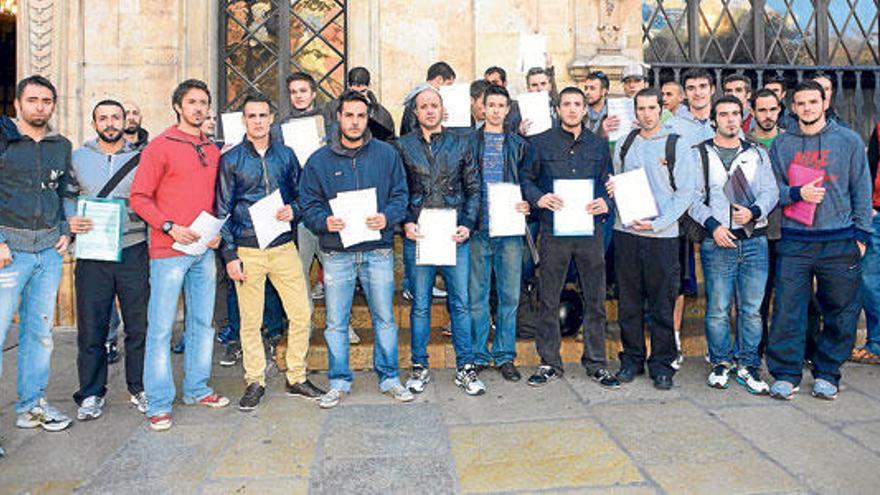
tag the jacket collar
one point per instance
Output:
(336, 143)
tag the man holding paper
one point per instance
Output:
(565, 154)
(497, 242)
(257, 188)
(444, 181)
(737, 191)
(356, 172)
(103, 168)
(826, 227)
(646, 248)
(174, 185)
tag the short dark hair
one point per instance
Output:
(301, 76)
(776, 80)
(254, 97)
(726, 99)
(359, 76)
(808, 85)
(494, 90)
(697, 73)
(440, 69)
(821, 75)
(598, 75)
(764, 93)
(646, 93)
(478, 87)
(183, 88)
(107, 103)
(738, 77)
(502, 74)
(534, 71)
(352, 95)
(35, 80)
(571, 90)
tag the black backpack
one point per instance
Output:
(688, 228)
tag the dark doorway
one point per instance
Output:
(7, 62)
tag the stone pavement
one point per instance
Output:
(570, 436)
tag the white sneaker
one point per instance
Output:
(45, 416)
(353, 337)
(676, 363)
(330, 399)
(438, 292)
(318, 290)
(140, 401)
(467, 378)
(400, 393)
(91, 408)
(418, 379)
(750, 378)
(719, 377)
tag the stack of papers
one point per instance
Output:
(504, 220)
(573, 219)
(354, 207)
(634, 197)
(802, 211)
(436, 247)
(266, 226)
(535, 107)
(457, 105)
(208, 227)
(104, 241)
(622, 108)
(302, 136)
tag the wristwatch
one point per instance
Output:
(166, 227)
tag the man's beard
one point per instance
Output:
(37, 122)
(767, 128)
(804, 122)
(132, 129)
(110, 138)
(351, 137)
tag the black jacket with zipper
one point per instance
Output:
(243, 178)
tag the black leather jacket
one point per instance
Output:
(442, 173)
(518, 155)
(243, 178)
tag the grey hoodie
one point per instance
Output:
(90, 170)
(845, 212)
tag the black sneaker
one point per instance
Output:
(509, 372)
(231, 355)
(627, 374)
(305, 390)
(251, 398)
(605, 378)
(112, 353)
(663, 382)
(543, 376)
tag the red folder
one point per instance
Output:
(802, 211)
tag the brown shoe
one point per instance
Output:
(864, 356)
(280, 350)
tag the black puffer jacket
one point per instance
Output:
(442, 173)
(34, 177)
(243, 178)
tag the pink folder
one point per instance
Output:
(802, 211)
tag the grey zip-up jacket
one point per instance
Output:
(756, 167)
(91, 169)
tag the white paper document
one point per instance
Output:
(104, 241)
(622, 108)
(266, 226)
(436, 245)
(532, 51)
(633, 197)
(208, 227)
(457, 105)
(301, 135)
(504, 220)
(535, 107)
(353, 207)
(233, 127)
(573, 218)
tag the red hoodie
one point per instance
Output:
(173, 183)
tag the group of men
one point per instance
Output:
(722, 173)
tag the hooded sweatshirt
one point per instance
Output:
(91, 169)
(845, 212)
(174, 182)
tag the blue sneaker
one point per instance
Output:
(178, 348)
(226, 335)
(783, 390)
(823, 389)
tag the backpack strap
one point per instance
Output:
(119, 175)
(627, 143)
(671, 142)
(704, 160)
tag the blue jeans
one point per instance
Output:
(456, 278)
(836, 267)
(871, 289)
(196, 276)
(734, 275)
(273, 312)
(375, 269)
(34, 278)
(503, 255)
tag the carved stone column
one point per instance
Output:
(608, 36)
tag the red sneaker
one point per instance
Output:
(160, 422)
(214, 400)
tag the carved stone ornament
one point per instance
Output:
(40, 33)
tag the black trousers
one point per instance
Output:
(648, 269)
(98, 283)
(589, 257)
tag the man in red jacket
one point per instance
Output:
(173, 184)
